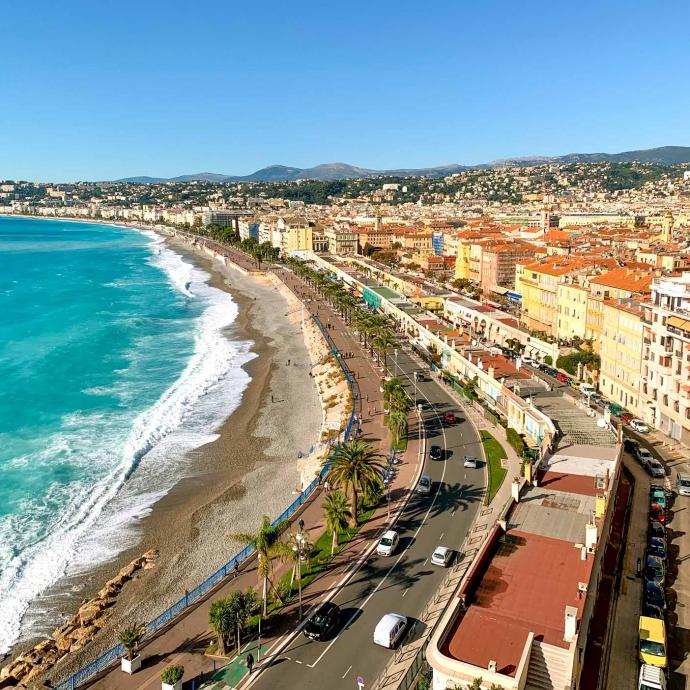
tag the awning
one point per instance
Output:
(677, 322)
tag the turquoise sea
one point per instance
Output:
(115, 359)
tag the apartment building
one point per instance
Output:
(499, 261)
(292, 233)
(571, 298)
(342, 239)
(621, 353)
(666, 358)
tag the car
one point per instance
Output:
(626, 417)
(528, 360)
(654, 570)
(560, 376)
(389, 630)
(436, 453)
(658, 495)
(449, 417)
(654, 594)
(322, 621)
(639, 426)
(657, 514)
(424, 484)
(657, 547)
(643, 456)
(656, 531)
(442, 555)
(587, 388)
(471, 462)
(651, 611)
(655, 468)
(388, 543)
(630, 445)
(596, 399)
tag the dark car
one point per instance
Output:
(657, 547)
(651, 611)
(323, 621)
(654, 594)
(656, 529)
(549, 370)
(654, 570)
(436, 453)
(630, 445)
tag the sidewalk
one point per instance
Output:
(186, 639)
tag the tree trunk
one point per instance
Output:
(353, 519)
(333, 543)
(265, 595)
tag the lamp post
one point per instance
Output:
(298, 548)
(414, 374)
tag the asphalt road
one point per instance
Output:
(402, 583)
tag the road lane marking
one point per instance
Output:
(425, 562)
(297, 661)
(406, 591)
(346, 672)
(441, 537)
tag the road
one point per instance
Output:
(402, 583)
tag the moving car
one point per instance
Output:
(436, 453)
(449, 417)
(655, 468)
(442, 556)
(388, 543)
(683, 484)
(389, 630)
(549, 370)
(639, 426)
(424, 484)
(471, 462)
(323, 621)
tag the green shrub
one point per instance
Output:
(548, 360)
(172, 674)
(515, 440)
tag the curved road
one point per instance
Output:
(402, 583)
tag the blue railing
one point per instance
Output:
(105, 660)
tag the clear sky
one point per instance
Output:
(105, 89)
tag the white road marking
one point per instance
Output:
(346, 672)
(441, 537)
(406, 591)
(297, 661)
(425, 562)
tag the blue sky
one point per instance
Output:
(100, 90)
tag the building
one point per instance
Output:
(571, 298)
(666, 358)
(292, 233)
(342, 239)
(498, 262)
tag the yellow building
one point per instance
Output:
(621, 353)
(462, 261)
(571, 298)
(538, 284)
(292, 234)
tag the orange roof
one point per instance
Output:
(626, 278)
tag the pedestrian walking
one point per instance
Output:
(250, 661)
(369, 410)
(367, 397)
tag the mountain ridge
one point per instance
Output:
(665, 155)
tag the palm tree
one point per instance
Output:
(397, 423)
(383, 342)
(268, 546)
(221, 617)
(355, 465)
(131, 636)
(337, 514)
(241, 606)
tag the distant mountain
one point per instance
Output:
(666, 155)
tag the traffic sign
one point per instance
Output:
(360, 682)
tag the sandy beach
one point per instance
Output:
(251, 470)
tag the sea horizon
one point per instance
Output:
(115, 363)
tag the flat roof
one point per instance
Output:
(525, 588)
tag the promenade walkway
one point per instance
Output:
(186, 639)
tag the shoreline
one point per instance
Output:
(249, 470)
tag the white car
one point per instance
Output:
(471, 462)
(424, 485)
(389, 630)
(639, 426)
(442, 556)
(388, 543)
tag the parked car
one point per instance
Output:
(651, 611)
(657, 547)
(658, 495)
(471, 462)
(654, 570)
(436, 453)
(424, 484)
(560, 376)
(528, 360)
(323, 621)
(654, 594)
(596, 399)
(549, 370)
(626, 417)
(639, 426)
(683, 484)
(615, 409)
(449, 417)
(442, 555)
(388, 543)
(657, 514)
(655, 468)
(630, 445)
(643, 455)
(656, 531)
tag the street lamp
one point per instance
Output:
(298, 548)
(414, 374)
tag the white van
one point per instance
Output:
(683, 484)
(389, 630)
(587, 388)
(651, 678)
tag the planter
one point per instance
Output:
(131, 665)
(177, 686)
